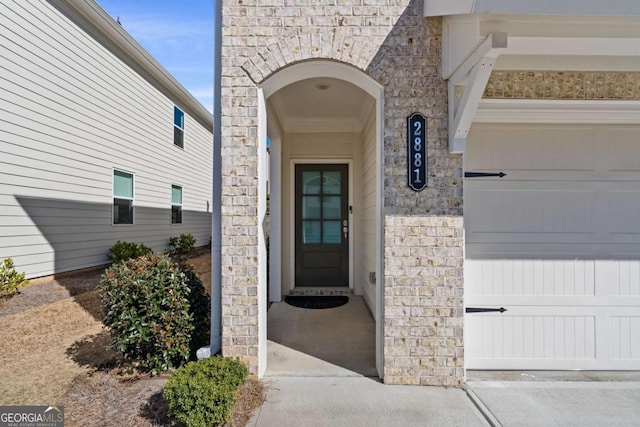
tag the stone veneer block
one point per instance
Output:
(566, 85)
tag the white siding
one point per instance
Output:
(71, 112)
(366, 251)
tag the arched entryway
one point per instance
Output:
(323, 120)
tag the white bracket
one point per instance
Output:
(475, 70)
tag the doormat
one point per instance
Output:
(316, 302)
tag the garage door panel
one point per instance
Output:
(532, 148)
(624, 151)
(531, 277)
(500, 276)
(619, 277)
(532, 336)
(557, 243)
(624, 332)
(526, 210)
(622, 210)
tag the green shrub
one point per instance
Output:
(182, 245)
(10, 279)
(202, 393)
(200, 307)
(156, 310)
(122, 251)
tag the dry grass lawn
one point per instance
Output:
(55, 352)
(34, 365)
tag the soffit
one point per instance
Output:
(321, 105)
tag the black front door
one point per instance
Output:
(322, 225)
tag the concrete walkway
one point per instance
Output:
(329, 342)
(360, 401)
(321, 372)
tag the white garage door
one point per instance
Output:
(557, 243)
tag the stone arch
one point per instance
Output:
(320, 68)
(336, 45)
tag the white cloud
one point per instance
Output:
(155, 29)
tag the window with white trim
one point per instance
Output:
(178, 127)
(176, 204)
(122, 197)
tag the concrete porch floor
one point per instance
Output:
(333, 342)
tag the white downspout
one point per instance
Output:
(216, 200)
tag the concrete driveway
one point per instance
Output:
(558, 403)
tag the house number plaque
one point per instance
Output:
(417, 151)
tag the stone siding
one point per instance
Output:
(390, 41)
(566, 85)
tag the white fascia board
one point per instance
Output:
(447, 7)
(580, 46)
(567, 63)
(529, 7)
(557, 111)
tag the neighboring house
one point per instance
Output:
(98, 142)
(547, 92)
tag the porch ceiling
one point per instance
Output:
(321, 105)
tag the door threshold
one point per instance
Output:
(322, 291)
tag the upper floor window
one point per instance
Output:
(122, 197)
(176, 204)
(178, 127)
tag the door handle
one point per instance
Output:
(345, 228)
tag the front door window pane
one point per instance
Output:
(331, 182)
(311, 207)
(331, 232)
(311, 232)
(311, 182)
(331, 207)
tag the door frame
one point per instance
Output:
(292, 212)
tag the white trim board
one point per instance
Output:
(557, 111)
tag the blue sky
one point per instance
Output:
(179, 35)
